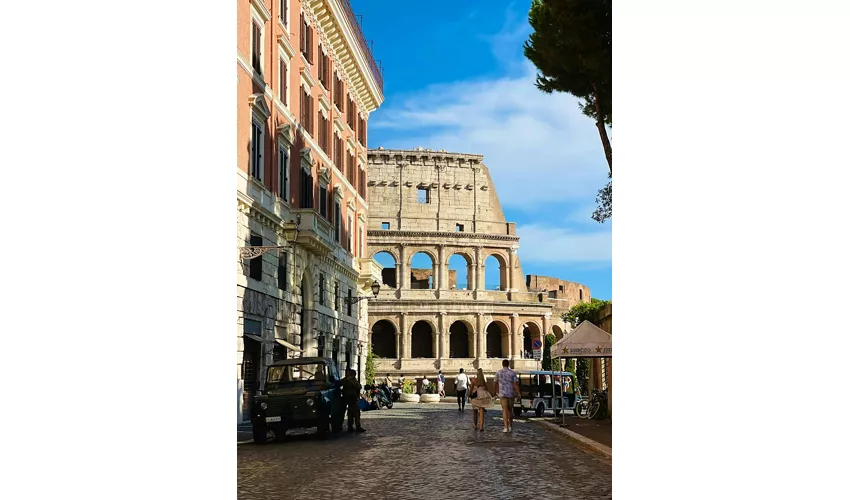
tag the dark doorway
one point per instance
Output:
(459, 340)
(494, 341)
(383, 339)
(421, 340)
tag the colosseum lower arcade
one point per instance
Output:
(442, 205)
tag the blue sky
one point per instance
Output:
(455, 78)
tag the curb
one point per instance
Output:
(587, 443)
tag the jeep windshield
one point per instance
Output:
(301, 375)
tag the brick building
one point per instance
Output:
(443, 204)
(307, 84)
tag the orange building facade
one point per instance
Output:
(307, 84)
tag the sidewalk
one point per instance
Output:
(595, 435)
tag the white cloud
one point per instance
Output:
(540, 149)
(548, 245)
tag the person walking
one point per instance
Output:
(481, 401)
(441, 384)
(351, 394)
(461, 384)
(507, 386)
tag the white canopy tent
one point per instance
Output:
(585, 341)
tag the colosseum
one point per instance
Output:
(441, 205)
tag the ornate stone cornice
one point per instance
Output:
(441, 234)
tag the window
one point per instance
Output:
(306, 189)
(337, 221)
(337, 92)
(459, 228)
(324, 133)
(350, 235)
(580, 294)
(352, 112)
(338, 152)
(361, 131)
(257, 133)
(324, 68)
(306, 110)
(385, 226)
(350, 171)
(561, 288)
(321, 289)
(348, 302)
(256, 47)
(306, 39)
(284, 12)
(283, 174)
(255, 271)
(336, 296)
(282, 278)
(424, 196)
(323, 203)
(283, 85)
(362, 183)
(329, 209)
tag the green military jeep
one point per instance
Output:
(298, 393)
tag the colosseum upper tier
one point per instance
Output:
(444, 204)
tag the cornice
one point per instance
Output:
(440, 234)
(336, 35)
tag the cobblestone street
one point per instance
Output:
(424, 451)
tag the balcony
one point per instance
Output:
(314, 232)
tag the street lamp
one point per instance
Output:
(290, 234)
(376, 287)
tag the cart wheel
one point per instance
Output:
(538, 412)
(593, 410)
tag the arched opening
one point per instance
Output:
(460, 272)
(459, 340)
(496, 333)
(495, 273)
(421, 340)
(388, 277)
(383, 339)
(530, 332)
(558, 331)
(423, 273)
(304, 313)
(580, 294)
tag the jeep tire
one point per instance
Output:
(260, 434)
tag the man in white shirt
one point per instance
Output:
(461, 385)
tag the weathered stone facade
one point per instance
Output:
(444, 204)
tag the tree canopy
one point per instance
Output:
(571, 48)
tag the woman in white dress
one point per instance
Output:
(481, 401)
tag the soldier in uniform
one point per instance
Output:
(351, 393)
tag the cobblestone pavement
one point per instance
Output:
(423, 451)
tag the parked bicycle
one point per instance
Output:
(594, 407)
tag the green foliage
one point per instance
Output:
(430, 388)
(548, 341)
(370, 365)
(571, 48)
(584, 311)
(409, 387)
(577, 314)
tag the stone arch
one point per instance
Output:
(390, 249)
(422, 339)
(461, 339)
(418, 279)
(502, 262)
(383, 338)
(463, 281)
(558, 332)
(426, 250)
(529, 330)
(392, 321)
(498, 338)
(388, 273)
